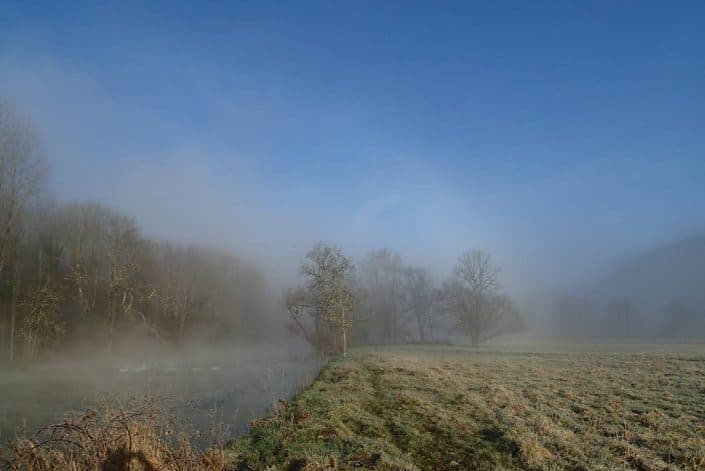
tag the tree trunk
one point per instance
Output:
(4, 239)
(111, 323)
(345, 338)
(430, 325)
(422, 328)
(28, 338)
(13, 315)
(345, 344)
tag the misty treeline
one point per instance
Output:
(386, 301)
(625, 316)
(81, 273)
(657, 293)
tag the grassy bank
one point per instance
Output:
(455, 408)
(577, 407)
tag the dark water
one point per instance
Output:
(230, 389)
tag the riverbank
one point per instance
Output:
(447, 408)
(578, 407)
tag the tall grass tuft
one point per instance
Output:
(137, 436)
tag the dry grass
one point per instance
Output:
(435, 408)
(454, 408)
(137, 436)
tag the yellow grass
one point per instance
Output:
(632, 407)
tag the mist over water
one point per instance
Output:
(223, 388)
(178, 177)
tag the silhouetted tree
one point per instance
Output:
(420, 296)
(22, 170)
(472, 296)
(383, 279)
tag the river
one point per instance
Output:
(230, 388)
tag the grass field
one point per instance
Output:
(452, 408)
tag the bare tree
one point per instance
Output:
(40, 302)
(506, 320)
(22, 169)
(83, 233)
(420, 294)
(69, 271)
(123, 246)
(177, 283)
(383, 277)
(327, 299)
(471, 295)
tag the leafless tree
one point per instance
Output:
(180, 269)
(327, 299)
(123, 250)
(420, 295)
(507, 318)
(22, 169)
(82, 231)
(472, 295)
(39, 302)
(383, 278)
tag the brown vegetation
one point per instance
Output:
(133, 437)
(457, 409)
(80, 270)
(441, 408)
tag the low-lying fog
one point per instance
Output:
(164, 175)
(208, 388)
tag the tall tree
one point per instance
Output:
(420, 295)
(82, 231)
(123, 250)
(472, 296)
(383, 277)
(328, 298)
(22, 169)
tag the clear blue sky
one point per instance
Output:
(532, 128)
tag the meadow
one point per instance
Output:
(557, 406)
(562, 406)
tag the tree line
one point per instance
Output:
(386, 301)
(81, 272)
(625, 316)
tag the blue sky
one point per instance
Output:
(556, 134)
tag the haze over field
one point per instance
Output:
(480, 227)
(560, 138)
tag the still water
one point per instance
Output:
(231, 389)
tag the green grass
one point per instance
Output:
(453, 408)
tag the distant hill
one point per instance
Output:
(660, 292)
(665, 285)
(674, 270)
